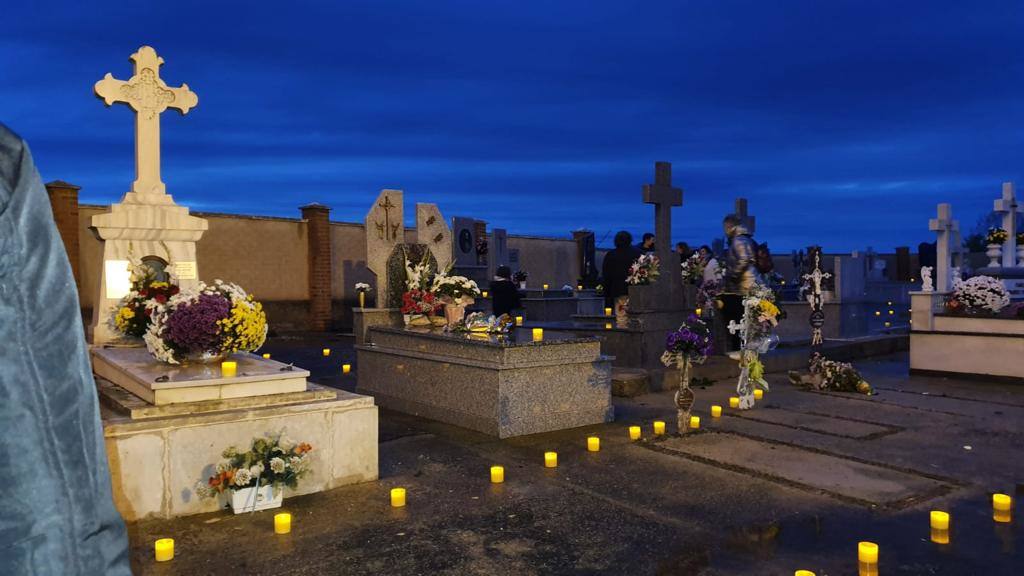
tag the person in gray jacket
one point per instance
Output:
(740, 271)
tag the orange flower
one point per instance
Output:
(303, 448)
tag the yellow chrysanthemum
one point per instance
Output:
(769, 308)
(124, 316)
(245, 327)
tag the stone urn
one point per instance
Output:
(995, 254)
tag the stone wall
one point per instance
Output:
(548, 260)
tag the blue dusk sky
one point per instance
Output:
(843, 123)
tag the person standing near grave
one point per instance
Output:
(59, 515)
(740, 271)
(615, 270)
(710, 265)
(646, 245)
(683, 249)
(505, 296)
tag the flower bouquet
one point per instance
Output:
(693, 269)
(828, 374)
(996, 236)
(256, 478)
(690, 344)
(519, 277)
(978, 295)
(456, 292)
(644, 271)
(757, 336)
(362, 288)
(419, 303)
(205, 324)
(131, 317)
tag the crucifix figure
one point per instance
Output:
(945, 227)
(817, 317)
(1007, 206)
(149, 96)
(741, 210)
(664, 196)
(387, 228)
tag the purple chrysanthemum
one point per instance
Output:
(193, 327)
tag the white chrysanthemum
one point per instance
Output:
(223, 467)
(242, 477)
(277, 465)
(256, 469)
(295, 461)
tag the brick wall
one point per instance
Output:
(64, 202)
(318, 223)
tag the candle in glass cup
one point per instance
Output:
(497, 474)
(867, 553)
(716, 411)
(939, 520)
(634, 432)
(803, 573)
(327, 351)
(163, 549)
(695, 422)
(1002, 505)
(758, 394)
(734, 402)
(607, 311)
(266, 355)
(594, 444)
(545, 286)
(659, 427)
(282, 523)
(608, 326)
(519, 320)
(551, 459)
(484, 293)
(398, 497)
(579, 287)
(538, 334)
(228, 368)
(346, 368)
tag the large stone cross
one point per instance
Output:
(664, 196)
(1007, 205)
(741, 210)
(149, 96)
(946, 228)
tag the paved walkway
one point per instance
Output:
(792, 484)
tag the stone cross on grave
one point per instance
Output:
(149, 96)
(1007, 206)
(664, 196)
(945, 227)
(748, 221)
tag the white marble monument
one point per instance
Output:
(945, 227)
(146, 224)
(1007, 206)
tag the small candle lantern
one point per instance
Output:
(659, 427)
(698, 312)
(346, 368)
(484, 293)
(519, 320)
(608, 326)
(803, 573)
(716, 411)
(579, 287)
(1002, 506)
(164, 549)
(607, 311)
(734, 402)
(327, 351)
(398, 497)
(695, 422)
(551, 459)
(634, 432)
(538, 334)
(266, 355)
(594, 444)
(867, 553)
(497, 474)
(282, 523)
(939, 520)
(758, 394)
(545, 286)
(228, 368)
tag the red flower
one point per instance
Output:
(160, 298)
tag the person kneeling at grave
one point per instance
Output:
(505, 297)
(740, 272)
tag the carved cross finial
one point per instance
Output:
(149, 96)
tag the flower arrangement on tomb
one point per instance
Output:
(980, 294)
(757, 336)
(273, 460)
(825, 374)
(458, 290)
(709, 290)
(132, 315)
(207, 321)
(690, 344)
(520, 276)
(996, 236)
(362, 289)
(693, 269)
(420, 302)
(644, 271)
(480, 323)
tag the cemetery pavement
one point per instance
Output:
(793, 484)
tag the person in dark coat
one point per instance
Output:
(58, 514)
(615, 270)
(646, 245)
(740, 272)
(505, 297)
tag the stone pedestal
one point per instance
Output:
(134, 230)
(502, 387)
(364, 318)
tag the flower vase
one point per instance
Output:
(1020, 255)
(362, 299)
(453, 314)
(995, 254)
(522, 285)
(252, 498)
(684, 397)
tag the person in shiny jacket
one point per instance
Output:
(740, 271)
